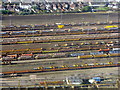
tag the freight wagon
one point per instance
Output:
(25, 57)
(52, 83)
(11, 27)
(23, 27)
(40, 56)
(85, 56)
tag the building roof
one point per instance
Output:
(30, 1)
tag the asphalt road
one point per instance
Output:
(61, 75)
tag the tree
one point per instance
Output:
(86, 9)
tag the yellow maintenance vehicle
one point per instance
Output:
(113, 26)
(59, 25)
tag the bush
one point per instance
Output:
(86, 9)
(6, 12)
(103, 8)
(24, 13)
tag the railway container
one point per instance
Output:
(31, 32)
(57, 45)
(7, 58)
(85, 56)
(13, 56)
(46, 31)
(39, 56)
(100, 50)
(59, 31)
(6, 62)
(96, 53)
(25, 57)
(23, 42)
(101, 29)
(22, 27)
(110, 62)
(48, 34)
(11, 27)
(76, 54)
(56, 55)
(91, 64)
(36, 49)
(114, 55)
(66, 44)
(66, 50)
(73, 39)
(57, 40)
(116, 49)
(74, 30)
(86, 30)
(39, 26)
(17, 33)
(75, 65)
(100, 56)
(19, 50)
(38, 68)
(114, 28)
(50, 51)
(41, 41)
(85, 64)
(3, 33)
(103, 23)
(93, 23)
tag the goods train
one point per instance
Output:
(52, 26)
(66, 47)
(59, 40)
(115, 52)
(73, 67)
(52, 32)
